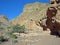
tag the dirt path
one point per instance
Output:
(40, 40)
(35, 40)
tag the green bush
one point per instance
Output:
(16, 28)
(13, 36)
(0, 23)
(10, 32)
(1, 38)
(19, 29)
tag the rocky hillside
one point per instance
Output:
(4, 24)
(31, 14)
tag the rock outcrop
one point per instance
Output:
(51, 20)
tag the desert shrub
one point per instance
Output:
(19, 29)
(1, 28)
(2, 39)
(37, 9)
(16, 28)
(0, 23)
(10, 32)
(13, 36)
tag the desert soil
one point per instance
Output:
(37, 39)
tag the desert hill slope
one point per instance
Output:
(31, 14)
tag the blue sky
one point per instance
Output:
(13, 8)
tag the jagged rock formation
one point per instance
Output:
(4, 24)
(52, 22)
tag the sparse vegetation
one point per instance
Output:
(13, 36)
(1, 27)
(10, 34)
(2, 39)
(37, 9)
(0, 23)
(18, 28)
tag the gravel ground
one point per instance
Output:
(34, 40)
